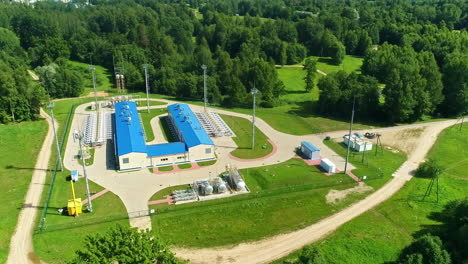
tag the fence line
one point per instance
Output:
(49, 194)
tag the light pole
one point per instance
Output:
(93, 72)
(147, 86)
(205, 100)
(51, 107)
(349, 135)
(254, 93)
(83, 163)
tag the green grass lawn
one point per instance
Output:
(293, 79)
(206, 163)
(242, 128)
(350, 64)
(104, 79)
(19, 147)
(63, 235)
(165, 168)
(379, 235)
(162, 194)
(284, 197)
(151, 103)
(146, 119)
(378, 169)
(185, 166)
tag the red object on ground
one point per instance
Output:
(85, 201)
(168, 200)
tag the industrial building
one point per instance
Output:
(133, 153)
(328, 166)
(309, 151)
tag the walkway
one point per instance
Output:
(21, 247)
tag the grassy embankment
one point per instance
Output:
(62, 235)
(19, 147)
(103, 77)
(284, 197)
(242, 128)
(379, 235)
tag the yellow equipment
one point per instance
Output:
(74, 205)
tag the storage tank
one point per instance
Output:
(240, 185)
(208, 189)
(222, 188)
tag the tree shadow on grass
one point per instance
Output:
(12, 167)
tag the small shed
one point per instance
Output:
(310, 151)
(327, 165)
(363, 146)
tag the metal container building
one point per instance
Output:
(310, 151)
(327, 165)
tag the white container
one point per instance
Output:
(327, 165)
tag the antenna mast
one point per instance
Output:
(254, 93)
(205, 100)
(51, 107)
(83, 163)
(147, 86)
(349, 136)
(93, 72)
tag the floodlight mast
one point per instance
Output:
(93, 72)
(254, 93)
(83, 163)
(51, 107)
(205, 99)
(349, 135)
(147, 86)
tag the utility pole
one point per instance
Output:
(349, 136)
(205, 100)
(51, 107)
(93, 72)
(254, 93)
(83, 163)
(147, 86)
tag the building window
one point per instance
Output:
(164, 159)
(208, 151)
(180, 157)
(125, 160)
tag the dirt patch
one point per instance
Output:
(99, 94)
(335, 196)
(404, 140)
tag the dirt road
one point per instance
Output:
(267, 250)
(21, 247)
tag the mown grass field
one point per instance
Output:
(379, 235)
(350, 64)
(378, 168)
(242, 128)
(284, 197)
(206, 163)
(294, 84)
(19, 148)
(63, 235)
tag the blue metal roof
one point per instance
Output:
(192, 131)
(309, 146)
(128, 130)
(166, 149)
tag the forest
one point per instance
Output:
(415, 52)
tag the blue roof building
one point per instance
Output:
(166, 149)
(309, 151)
(189, 128)
(128, 130)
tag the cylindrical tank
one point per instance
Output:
(222, 188)
(208, 188)
(240, 186)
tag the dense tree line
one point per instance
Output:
(241, 40)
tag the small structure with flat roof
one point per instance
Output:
(309, 151)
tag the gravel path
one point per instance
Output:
(21, 247)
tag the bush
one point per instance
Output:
(428, 169)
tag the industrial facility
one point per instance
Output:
(133, 153)
(357, 143)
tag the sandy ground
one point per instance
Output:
(21, 247)
(335, 196)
